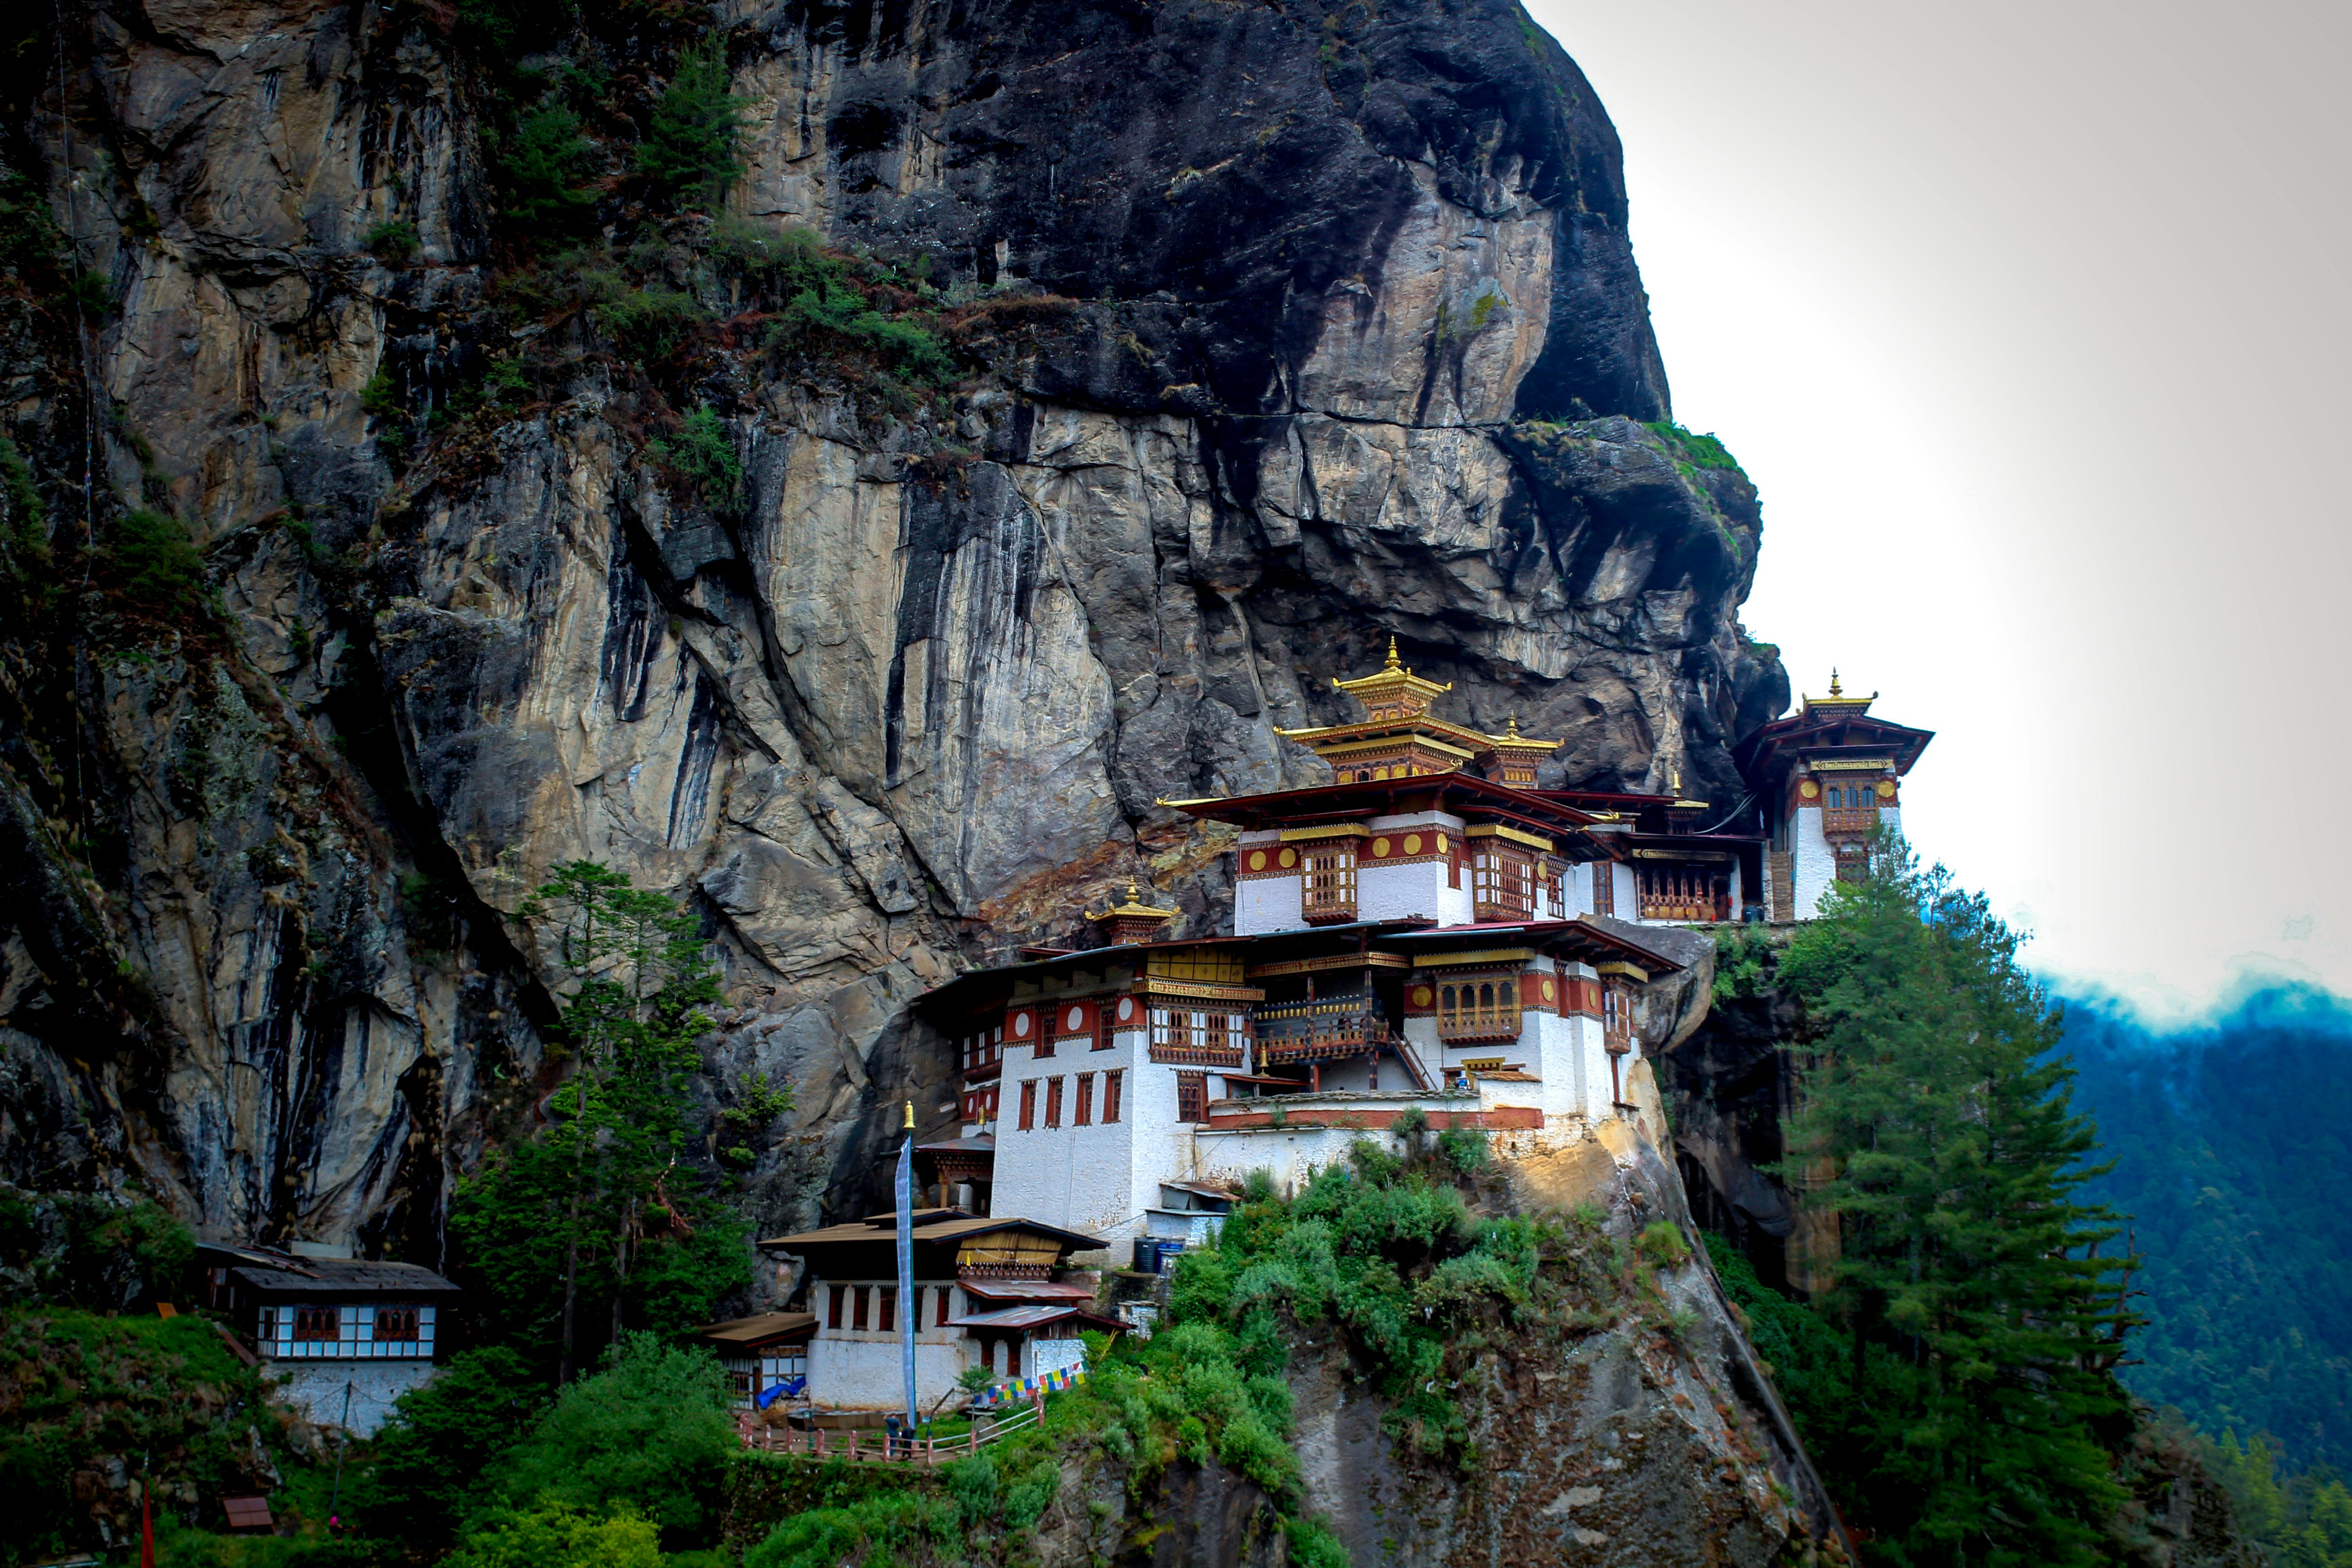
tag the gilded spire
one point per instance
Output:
(1835, 689)
(1392, 663)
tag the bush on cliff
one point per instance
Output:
(430, 1469)
(689, 152)
(651, 1431)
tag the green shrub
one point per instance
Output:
(703, 454)
(830, 313)
(652, 1430)
(556, 1534)
(648, 325)
(689, 152)
(94, 293)
(1464, 1149)
(380, 397)
(149, 560)
(545, 167)
(392, 242)
(1662, 1243)
(24, 520)
(1691, 450)
(430, 1464)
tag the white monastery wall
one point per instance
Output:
(865, 1373)
(1816, 865)
(1628, 893)
(1262, 904)
(1072, 1176)
(1393, 893)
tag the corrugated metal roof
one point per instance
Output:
(758, 1328)
(882, 1232)
(1025, 1290)
(1014, 1318)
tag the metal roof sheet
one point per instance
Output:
(1014, 1318)
(760, 1327)
(1025, 1290)
(872, 1233)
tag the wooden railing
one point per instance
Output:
(1478, 1009)
(1287, 1031)
(878, 1447)
(1850, 819)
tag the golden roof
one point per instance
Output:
(1515, 742)
(1393, 682)
(1838, 699)
(1134, 908)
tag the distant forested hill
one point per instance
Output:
(2232, 1145)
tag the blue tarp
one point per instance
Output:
(790, 1388)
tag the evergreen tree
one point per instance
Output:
(597, 1218)
(1984, 1326)
(546, 166)
(690, 146)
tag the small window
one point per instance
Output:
(1086, 1100)
(886, 1308)
(316, 1323)
(947, 1297)
(857, 1307)
(1111, 1081)
(833, 1307)
(1052, 1102)
(1028, 1104)
(395, 1323)
(1191, 1097)
(1105, 1024)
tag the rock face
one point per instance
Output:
(1346, 342)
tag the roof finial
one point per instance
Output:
(1835, 689)
(1673, 778)
(1513, 728)
(1133, 893)
(1393, 652)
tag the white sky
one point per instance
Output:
(2031, 323)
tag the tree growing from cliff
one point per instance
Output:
(689, 151)
(598, 1212)
(1985, 1325)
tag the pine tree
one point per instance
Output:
(1984, 1324)
(690, 146)
(599, 1210)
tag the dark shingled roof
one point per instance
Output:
(345, 1277)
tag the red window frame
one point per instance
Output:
(858, 1307)
(1086, 1112)
(946, 1292)
(397, 1323)
(886, 1308)
(1111, 1084)
(1028, 1103)
(317, 1325)
(1053, 1101)
(832, 1305)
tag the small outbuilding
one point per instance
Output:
(342, 1337)
(765, 1355)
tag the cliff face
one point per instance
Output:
(1345, 340)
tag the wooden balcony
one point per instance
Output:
(1329, 1025)
(1850, 821)
(1465, 1025)
(1672, 907)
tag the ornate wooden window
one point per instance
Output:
(833, 1294)
(1052, 1102)
(1112, 1082)
(396, 1323)
(857, 1307)
(1195, 1036)
(1502, 882)
(1555, 891)
(1028, 1104)
(1478, 1007)
(1604, 888)
(1086, 1114)
(1191, 1097)
(886, 1308)
(1853, 862)
(1616, 1018)
(1330, 895)
(1683, 894)
(316, 1323)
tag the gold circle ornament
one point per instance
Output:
(1413, 843)
(1257, 859)
(1290, 857)
(1808, 789)
(1422, 996)
(1886, 789)
(1380, 849)
(1441, 844)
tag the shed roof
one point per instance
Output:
(345, 1277)
(883, 1230)
(1030, 1317)
(760, 1329)
(1025, 1290)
